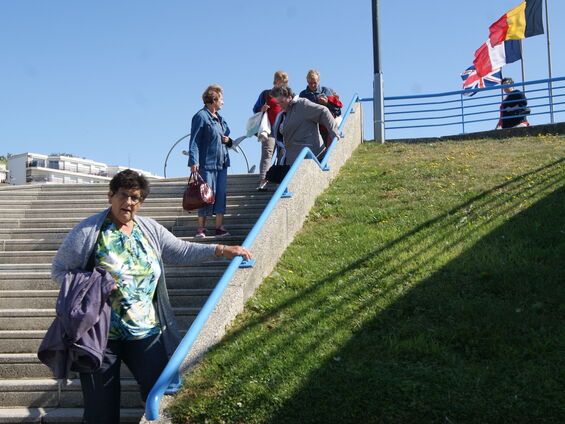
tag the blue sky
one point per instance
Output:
(118, 81)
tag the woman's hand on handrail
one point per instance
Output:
(231, 252)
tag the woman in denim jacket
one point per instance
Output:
(208, 155)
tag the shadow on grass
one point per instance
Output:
(478, 341)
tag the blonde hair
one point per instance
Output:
(312, 73)
(281, 76)
(211, 94)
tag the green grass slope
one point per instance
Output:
(427, 286)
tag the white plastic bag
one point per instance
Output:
(264, 129)
(259, 125)
(253, 124)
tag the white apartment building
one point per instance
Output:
(34, 168)
(3, 173)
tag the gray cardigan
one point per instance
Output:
(78, 246)
(300, 127)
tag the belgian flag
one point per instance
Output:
(525, 20)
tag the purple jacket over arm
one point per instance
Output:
(77, 338)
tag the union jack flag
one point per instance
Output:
(471, 80)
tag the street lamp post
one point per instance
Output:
(170, 150)
(237, 148)
(378, 99)
(240, 149)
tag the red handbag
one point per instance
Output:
(197, 194)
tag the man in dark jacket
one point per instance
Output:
(513, 109)
(324, 96)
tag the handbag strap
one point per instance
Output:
(195, 176)
(280, 146)
(279, 143)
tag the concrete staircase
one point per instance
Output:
(33, 222)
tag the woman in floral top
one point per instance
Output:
(135, 267)
(142, 328)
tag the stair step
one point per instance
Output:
(44, 392)
(59, 415)
(41, 319)
(101, 201)
(29, 392)
(40, 258)
(18, 341)
(19, 299)
(171, 209)
(18, 245)
(27, 365)
(235, 180)
(46, 299)
(26, 319)
(47, 234)
(167, 221)
(22, 365)
(41, 261)
(196, 278)
(177, 192)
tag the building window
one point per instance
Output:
(54, 164)
(34, 163)
(39, 179)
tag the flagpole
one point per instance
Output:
(549, 64)
(378, 99)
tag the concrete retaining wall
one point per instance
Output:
(531, 131)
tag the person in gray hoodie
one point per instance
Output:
(298, 123)
(142, 332)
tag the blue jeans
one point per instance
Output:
(146, 358)
(217, 180)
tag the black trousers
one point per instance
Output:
(145, 358)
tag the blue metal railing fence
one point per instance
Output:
(169, 380)
(456, 108)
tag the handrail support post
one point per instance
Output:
(175, 385)
(286, 194)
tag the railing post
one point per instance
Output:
(462, 114)
(550, 94)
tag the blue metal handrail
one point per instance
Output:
(449, 93)
(171, 372)
(439, 109)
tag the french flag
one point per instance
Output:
(489, 58)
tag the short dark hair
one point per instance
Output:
(129, 180)
(507, 81)
(282, 91)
